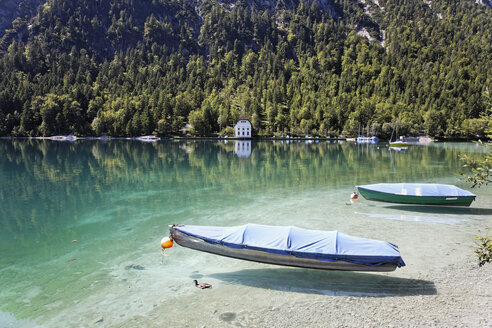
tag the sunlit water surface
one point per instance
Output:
(81, 222)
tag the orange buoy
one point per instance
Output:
(167, 242)
(354, 196)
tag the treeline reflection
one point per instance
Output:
(46, 183)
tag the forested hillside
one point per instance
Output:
(319, 67)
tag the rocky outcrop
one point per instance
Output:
(484, 2)
(11, 9)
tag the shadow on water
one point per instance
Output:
(442, 209)
(414, 218)
(334, 283)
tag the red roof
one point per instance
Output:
(243, 118)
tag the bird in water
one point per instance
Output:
(203, 285)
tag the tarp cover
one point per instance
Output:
(419, 189)
(321, 245)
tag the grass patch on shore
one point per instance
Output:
(483, 247)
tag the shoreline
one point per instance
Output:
(107, 138)
(463, 298)
(456, 295)
(72, 138)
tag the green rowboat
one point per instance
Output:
(417, 193)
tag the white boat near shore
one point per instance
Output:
(69, 137)
(417, 140)
(149, 138)
(367, 140)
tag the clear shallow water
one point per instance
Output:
(81, 222)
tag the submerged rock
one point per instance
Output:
(227, 316)
(134, 267)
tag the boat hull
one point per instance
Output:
(270, 258)
(367, 140)
(415, 200)
(398, 144)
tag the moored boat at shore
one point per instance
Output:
(149, 138)
(367, 140)
(417, 193)
(291, 246)
(69, 137)
(417, 140)
(399, 143)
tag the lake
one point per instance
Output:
(81, 222)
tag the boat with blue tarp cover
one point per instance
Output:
(291, 246)
(367, 140)
(417, 193)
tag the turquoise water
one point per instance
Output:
(81, 222)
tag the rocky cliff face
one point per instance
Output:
(120, 24)
(27, 9)
(485, 2)
(8, 11)
(12, 9)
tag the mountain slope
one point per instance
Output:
(126, 67)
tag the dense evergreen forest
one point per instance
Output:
(318, 67)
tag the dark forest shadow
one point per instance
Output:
(335, 283)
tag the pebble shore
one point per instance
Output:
(461, 297)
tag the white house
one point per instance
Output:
(242, 128)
